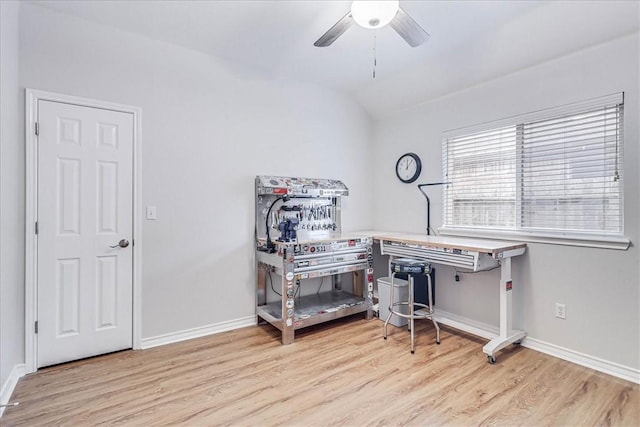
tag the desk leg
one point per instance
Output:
(507, 334)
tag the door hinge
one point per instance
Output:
(36, 227)
(36, 326)
(37, 129)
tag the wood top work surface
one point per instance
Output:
(337, 374)
(462, 243)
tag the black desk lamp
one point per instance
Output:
(429, 201)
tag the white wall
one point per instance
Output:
(208, 129)
(601, 288)
(11, 197)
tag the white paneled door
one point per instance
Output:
(85, 230)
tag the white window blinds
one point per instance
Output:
(558, 171)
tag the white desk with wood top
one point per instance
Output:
(471, 255)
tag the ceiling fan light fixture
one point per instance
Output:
(374, 14)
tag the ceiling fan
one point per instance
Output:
(373, 15)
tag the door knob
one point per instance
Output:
(122, 244)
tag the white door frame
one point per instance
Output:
(31, 210)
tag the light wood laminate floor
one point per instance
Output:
(341, 373)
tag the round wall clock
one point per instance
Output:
(408, 167)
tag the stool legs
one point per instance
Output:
(386, 322)
(411, 316)
(411, 311)
(431, 310)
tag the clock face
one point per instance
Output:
(408, 167)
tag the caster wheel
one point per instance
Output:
(438, 342)
(412, 351)
(491, 360)
(384, 338)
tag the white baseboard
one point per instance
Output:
(198, 332)
(16, 373)
(611, 368)
(487, 331)
(465, 324)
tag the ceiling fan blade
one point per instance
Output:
(336, 31)
(409, 29)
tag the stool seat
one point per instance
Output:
(411, 267)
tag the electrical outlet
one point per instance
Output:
(561, 311)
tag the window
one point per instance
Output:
(556, 172)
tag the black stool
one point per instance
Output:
(411, 267)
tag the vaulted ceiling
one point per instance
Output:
(471, 41)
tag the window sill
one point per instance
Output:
(601, 242)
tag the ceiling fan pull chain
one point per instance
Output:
(375, 61)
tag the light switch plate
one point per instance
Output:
(152, 212)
